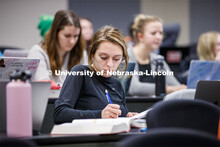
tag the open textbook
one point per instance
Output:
(101, 126)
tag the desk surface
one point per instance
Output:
(47, 140)
(134, 104)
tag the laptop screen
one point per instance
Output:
(10, 64)
(208, 91)
(202, 70)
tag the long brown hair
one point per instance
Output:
(51, 45)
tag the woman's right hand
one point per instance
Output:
(111, 111)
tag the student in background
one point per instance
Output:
(208, 46)
(87, 30)
(148, 35)
(62, 48)
(84, 95)
(208, 49)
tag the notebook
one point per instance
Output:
(208, 91)
(202, 70)
(40, 95)
(10, 64)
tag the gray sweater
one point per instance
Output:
(144, 88)
(44, 65)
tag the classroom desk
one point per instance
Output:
(134, 104)
(140, 103)
(110, 140)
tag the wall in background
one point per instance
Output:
(205, 16)
(171, 11)
(19, 20)
(118, 13)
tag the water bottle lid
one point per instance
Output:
(26, 75)
(22, 75)
(159, 63)
(15, 75)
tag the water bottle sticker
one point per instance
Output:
(12, 64)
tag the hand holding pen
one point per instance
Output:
(111, 110)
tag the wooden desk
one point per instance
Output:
(134, 104)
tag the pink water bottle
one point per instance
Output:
(19, 105)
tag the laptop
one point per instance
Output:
(208, 91)
(202, 70)
(10, 64)
(40, 95)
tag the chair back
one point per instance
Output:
(171, 137)
(192, 114)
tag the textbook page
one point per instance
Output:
(101, 126)
(141, 115)
(93, 126)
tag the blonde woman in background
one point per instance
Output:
(147, 32)
(208, 47)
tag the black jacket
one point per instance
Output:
(83, 97)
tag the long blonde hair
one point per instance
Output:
(206, 45)
(139, 22)
(51, 45)
(111, 34)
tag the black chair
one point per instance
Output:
(171, 137)
(192, 114)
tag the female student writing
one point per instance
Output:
(61, 49)
(148, 35)
(84, 95)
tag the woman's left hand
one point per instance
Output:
(130, 114)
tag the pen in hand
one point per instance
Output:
(108, 97)
(111, 110)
